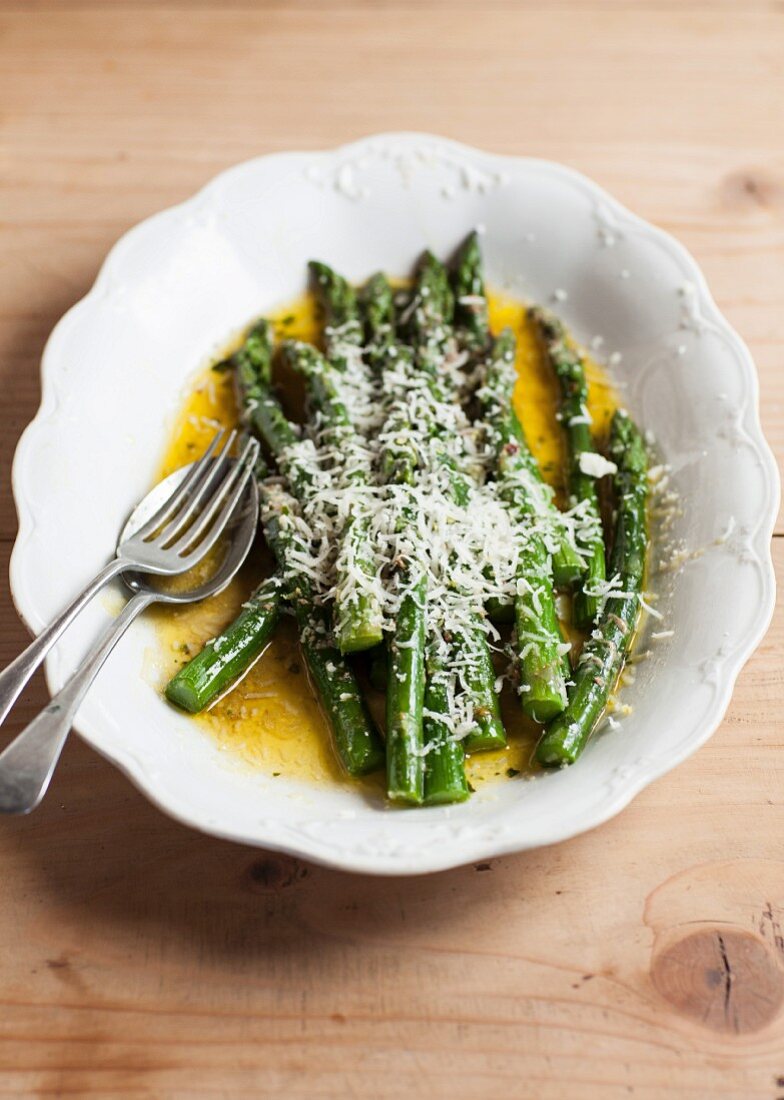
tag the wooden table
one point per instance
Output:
(642, 960)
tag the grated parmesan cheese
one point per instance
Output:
(596, 465)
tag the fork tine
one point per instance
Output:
(194, 476)
(212, 522)
(207, 485)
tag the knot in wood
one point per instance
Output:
(725, 979)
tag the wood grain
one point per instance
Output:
(644, 959)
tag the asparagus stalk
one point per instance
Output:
(405, 664)
(540, 650)
(225, 660)
(252, 366)
(405, 696)
(471, 312)
(343, 336)
(252, 361)
(432, 334)
(435, 306)
(569, 369)
(445, 779)
(357, 742)
(358, 615)
(261, 408)
(479, 682)
(604, 653)
(357, 605)
(377, 302)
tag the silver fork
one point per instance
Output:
(177, 536)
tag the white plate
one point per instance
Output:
(177, 285)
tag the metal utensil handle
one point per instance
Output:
(15, 676)
(27, 764)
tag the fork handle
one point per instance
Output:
(15, 676)
(27, 764)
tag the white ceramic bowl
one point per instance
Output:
(173, 289)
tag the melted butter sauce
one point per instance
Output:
(271, 720)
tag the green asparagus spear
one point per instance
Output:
(541, 653)
(431, 328)
(405, 664)
(359, 747)
(260, 407)
(343, 337)
(252, 361)
(435, 301)
(358, 615)
(357, 606)
(400, 458)
(445, 779)
(377, 302)
(479, 682)
(356, 739)
(405, 694)
(323, 387)
(540, 649)
(225, 659)
(603, 655)
(471, 313)
(569, 369)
